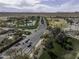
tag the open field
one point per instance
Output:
(60, 14)
(57, 22)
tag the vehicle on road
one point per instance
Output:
(29, 44)
(42, 21)
(1, 57)
(27, 40)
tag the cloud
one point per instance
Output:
(10, 2)
(18, 2)
(39, 5)
(70, 6)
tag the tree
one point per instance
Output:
(52, 55)
(22, 57)
(56, 31)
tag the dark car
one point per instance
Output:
(42, 21)
(27, 40)
(29, 45)
(1, 57)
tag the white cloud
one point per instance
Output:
(16, 2)
(19, 4)
(70, 6)
(36, 5)
(11, 2)
(32, 2)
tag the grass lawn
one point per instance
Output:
(58, 50)
(44, 55)
(61, 52)
(75, 43)
(73, 54)
(70, 56)
(61, 23)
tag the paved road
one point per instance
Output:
(34, 38)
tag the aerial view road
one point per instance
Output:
(39, 29)
(41, 37)
(32, 39)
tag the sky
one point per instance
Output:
(39, 5)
